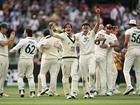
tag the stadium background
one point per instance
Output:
(36, 14)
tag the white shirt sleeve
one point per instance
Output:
(128, 32)
(18, 46)
(59, 36)
(1, 38)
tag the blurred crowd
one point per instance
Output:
(36, 14)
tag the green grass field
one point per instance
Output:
(14, 99)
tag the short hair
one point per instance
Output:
(67, 24)
(4, 25)
(29, 32)
(108, 26)
(86, 24)
(46, 32)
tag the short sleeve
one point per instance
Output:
(128, 32)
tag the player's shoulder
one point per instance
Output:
(129, 31)
(63, 34)
(101, 32)
(54, 39)
(77, 35)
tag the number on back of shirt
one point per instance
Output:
(135, 38)
(30, 49)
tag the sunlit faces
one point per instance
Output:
(68, 28)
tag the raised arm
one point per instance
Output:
(56, 35)
(96, 27)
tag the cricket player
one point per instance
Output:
(49, 62)
(87, 58)
(102, 44)
(132, 56)
(28, 48)
(110, 67)
(4, 61)
(97, 83)
(114, 32)
(69, 61)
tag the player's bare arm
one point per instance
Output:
(104, 46)
(11, 39)
(100, 38)
(96, 27)
(8, 41)
(126, 43)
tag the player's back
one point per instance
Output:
(134, 37)
(29, 48)
(50, 51)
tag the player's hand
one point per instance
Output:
(51, 25)
(98, 11)
(100, 38)
(12, 35)
(124, 51)
(104, 45)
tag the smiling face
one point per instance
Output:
(68, 28)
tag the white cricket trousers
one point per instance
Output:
(132, 57)
(87, 69)
(70, 69)
(4, 64)
(25, 68)
(101, 67)
(50, 66)
(111, 71)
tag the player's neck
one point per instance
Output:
(85, 33)
(69, 34)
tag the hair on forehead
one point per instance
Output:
(67, 24)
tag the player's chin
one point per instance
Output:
(68, 32)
